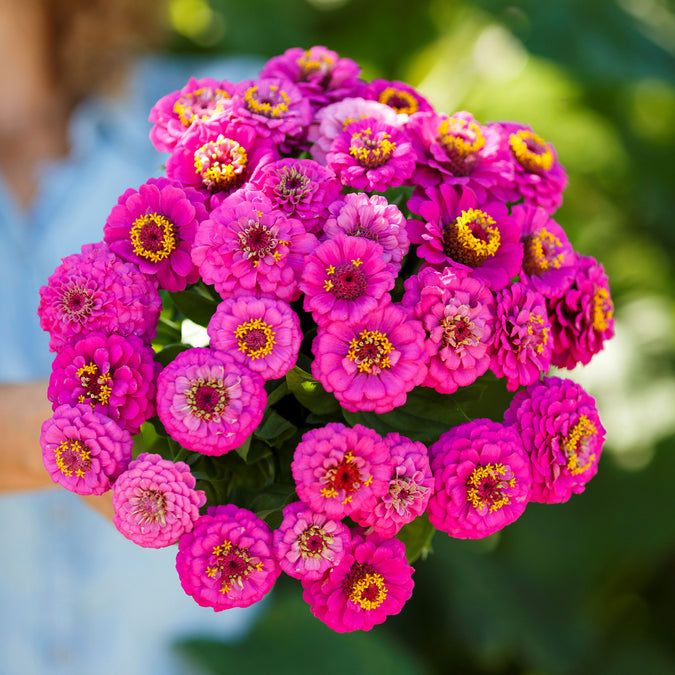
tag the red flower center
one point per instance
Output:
(346, 282)
(207, 398)
(231, 565)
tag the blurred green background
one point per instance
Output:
(585, 587)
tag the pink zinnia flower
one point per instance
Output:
(344, 279)
(583, 317)
(154, 227)
(115, 375)
(261, 333)
(410, 486)
(483, 479)
(560, 428)
(84, 451)
(371, 217)
(401, 97)
(373, 581)
(458, 314)
(155, 501)
(247, 246)
(97, 291)
(338, 470)
(373, 364)
(217, 157)
(458, 231)
(208, 402)
(458, 151)
(549, 262)
(372, 156)
(538, 177)
(198, 101)
(307, 544)
(300, 188)
(227, 560)
(320, 74)
(522, 342)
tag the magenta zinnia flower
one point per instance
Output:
(344, 279)
(308, 544)
(96, 291)
(247, 246)
(208, 402)
(560, 428)
(404, 99)
(198, 101)
(482, 479)
(373, 581)
(583, 317)
(459, 232)
(549, 262)
(458, 314)
(371, 217)
(338, 470)
(227, 560)
(373, 364)
(155, 501)
(84, 451)
(115, 375)
(154, 227)
(522, 342)
(410, 486)
(372, 156)
(300, 188)
(261, 333)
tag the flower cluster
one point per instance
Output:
(348, 251)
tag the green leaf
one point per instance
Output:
(195, 306)
(170, 352)
(417, 538)
(275, 429)
(310, 393)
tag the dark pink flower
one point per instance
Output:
(84, 451)
(300, 188)
(261, 333)
(308, 544)
(372, 156)
(208, 402)
(459, 232)
(154, 227)
(560, 428)
(320, 74)
(115, 375)
(410, 486)
(155, 501)
(339, 470)
(198, 101)
(404, 99)
(344, 279)
(371, 217)
(482, 479)
(373, 364)
(97, 291)
(583, 317)
(227, 560)
(247, 246)
(373, 581)
(458, 314)
(537, 177)
(549, 262)
(522, 341)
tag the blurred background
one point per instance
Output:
(584, 587)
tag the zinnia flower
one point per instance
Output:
(227, 560)
(155, 501)
(208, 402)
(560, 428)
(401, 97)
(482, 479)
(373, 581)
(84, 451)
(307, 544)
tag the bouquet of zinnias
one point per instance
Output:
(374, 279)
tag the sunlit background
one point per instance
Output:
(585, 587)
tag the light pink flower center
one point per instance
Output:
(149, 507)
(72, 457)
(76, 303)
(403, 492)
(200, 104)
(231, 565)
(207, 398)
(293, 186)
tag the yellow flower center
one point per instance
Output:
(152, 237)
(486, 486)
(576, 446)
(221, 163)
(370, 352)
(72, 457)
(531, 151)
(472, 238)
(603, 310)
(460, 137)
(273, 106)
(371, 150)
(401, 101)
(255, 338)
